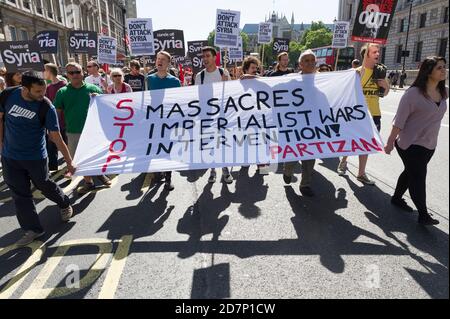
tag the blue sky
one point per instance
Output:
(197, 17)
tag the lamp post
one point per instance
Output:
(2, 30)
(124, 13)
(404, 53)
(124, 18)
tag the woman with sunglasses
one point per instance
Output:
(118, 86)
(415, 134)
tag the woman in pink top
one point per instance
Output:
(415, 134)
(118, 86)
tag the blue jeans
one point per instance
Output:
(18, 175)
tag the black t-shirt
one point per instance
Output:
(137, 82)
(281, 73)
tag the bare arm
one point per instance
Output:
(391, 141)
(56, 138)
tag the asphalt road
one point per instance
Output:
(256, 238)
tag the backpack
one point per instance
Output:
(203, 74)
(44, 106)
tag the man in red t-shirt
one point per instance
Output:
(51, 75)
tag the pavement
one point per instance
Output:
(257, 238)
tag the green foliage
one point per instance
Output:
(318, 38)
(319, 35)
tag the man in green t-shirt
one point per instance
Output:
(74, 100)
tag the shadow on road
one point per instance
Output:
(143, 220)
(393, 221)
(203, 218)
(320, 228)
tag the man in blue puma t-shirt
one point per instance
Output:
(25, 116)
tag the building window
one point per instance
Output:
(403, 25)
(24, 35)
(49, 9)
(445, 19)
(57, 10)
(443, 47)
(350, 11)
(26, 4)
(419, 46)
(39, 9)
(13, 33)
(398, 57)
(423, 20)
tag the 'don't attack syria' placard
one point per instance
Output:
(107, 50)
(140, 33)
(265, 31)
(340, 36)
(227, 29)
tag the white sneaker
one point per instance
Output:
(66, 214)
(264, 170)
(228, 179)
(342, 168)
(29, 237)
(365, 180)
(212, 177)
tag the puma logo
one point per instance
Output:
(17, 111)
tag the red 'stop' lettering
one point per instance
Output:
(128, 108)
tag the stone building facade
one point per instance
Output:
(22, 19)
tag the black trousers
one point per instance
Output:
(18, 175)
(415, 159)
(52, 151)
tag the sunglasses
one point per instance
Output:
(74, 72)
(117, 75)
(91, 66)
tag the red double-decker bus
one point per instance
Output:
(328, 55)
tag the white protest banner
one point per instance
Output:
(140, 32)
(235, 123)
(227, 28)
(265, 32)
(237, 54)
(341, 34)
(107, 50)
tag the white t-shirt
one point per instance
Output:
(97, 80)
(212, 77)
